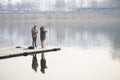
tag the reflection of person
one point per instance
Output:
(34, 32)
(43, 63)
(34, 62)
(42, 35)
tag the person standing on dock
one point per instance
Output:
(42, 35)
(34, 32)
(42, 38)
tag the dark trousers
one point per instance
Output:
(34, 42)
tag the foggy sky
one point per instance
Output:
(112, 3)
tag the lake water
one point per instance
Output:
(89, 50)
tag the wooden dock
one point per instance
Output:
(17, 52)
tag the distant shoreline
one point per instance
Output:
(81, 17)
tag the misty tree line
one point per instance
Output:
(15, 7)
(58, 6)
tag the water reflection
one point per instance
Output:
(64, 34)
(87, 36)
(43, 63)
(34, 62)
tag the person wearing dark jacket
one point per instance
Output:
(42, 35)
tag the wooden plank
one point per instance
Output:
(16, 52)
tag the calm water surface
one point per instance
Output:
(88, 51)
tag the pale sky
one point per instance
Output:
(84, 2)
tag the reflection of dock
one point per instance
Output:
(17, 52)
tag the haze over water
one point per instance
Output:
(89, 42)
